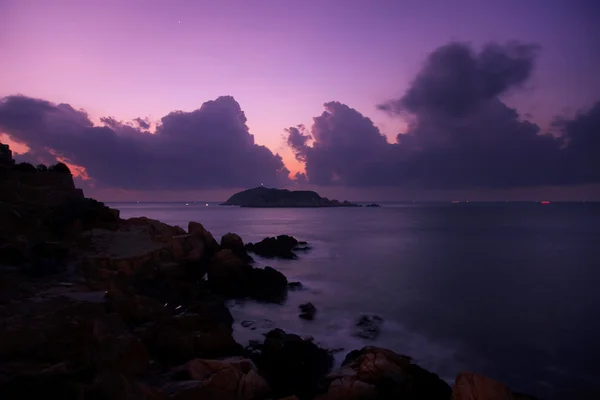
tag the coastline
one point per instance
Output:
(96, 306)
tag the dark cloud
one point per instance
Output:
(461, 134)
(142, 122)
(210, 147)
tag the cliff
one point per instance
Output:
(270, 197)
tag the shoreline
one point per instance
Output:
(96, 306)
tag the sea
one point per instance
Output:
(508, 290)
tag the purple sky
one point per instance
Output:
(281, 61)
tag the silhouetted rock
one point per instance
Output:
(232, 277)
(376, 373)
(469, 386)
(295, 286)
(280, 246)
(307, 311)
(292, 365)
(268, 197)
(368, 327)
(235, 243)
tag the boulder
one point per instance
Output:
(292, 365)
(235, 243)
(307, 311)
(211, 243)
(469, 386)
(232, 277)
(114, 386)
(228, 379)
(268, 284)
(271, 247)
(368, 327)
(135, 308)
(157, 228)
(376, 373)
(228, 275)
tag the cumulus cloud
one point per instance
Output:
(461, 134)
(143, 123)
(208, 148)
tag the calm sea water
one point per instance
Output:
(510, 290)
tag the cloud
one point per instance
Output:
(461, 135)
(142, 122)
(208, 148)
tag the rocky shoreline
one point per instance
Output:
(93, 306)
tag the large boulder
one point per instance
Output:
(292, 365)
(271, 247)
(376, 373)
(228, 275)
(469, 386)
(228, 379)
(368, 327)
(198, 228)
(235, 243)
(232, 277)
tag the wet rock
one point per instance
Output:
(292, 365)
(235, 243)
(368, 327)
(271, 247)
(228, 379)
(307, 311)
(295, 286)
(376, 373)
(263, 324)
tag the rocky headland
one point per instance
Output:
(93, 306)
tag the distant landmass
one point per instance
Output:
(270, 197)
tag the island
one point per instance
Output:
(270, 197)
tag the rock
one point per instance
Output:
(124, 354)
(373, 205)
(295, 286)
(211, 243)
(228, 379)
(292, 365)
(268, 284)
(228, 275)
(252, 325)
(307, 311)
(469, 386)
(271, 247)
(232, 277)
(113, 386)
(157, 228)
(12, 255)
(235, 243)
(135, 308)
(368, 327)
(376, 373)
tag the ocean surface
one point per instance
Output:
(510, 290)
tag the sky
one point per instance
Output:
(181, 99)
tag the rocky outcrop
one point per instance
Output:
(235, 243)
(267, 197)
(227, 379)
(232, 277)
(376, 373)
(469, 386)
(291, 365)
(277, 247)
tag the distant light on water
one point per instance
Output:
(186, 204)
(206, 204)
